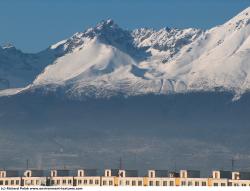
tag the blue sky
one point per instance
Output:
(33, 25)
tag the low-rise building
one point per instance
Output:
(220, 178)
(10, 178)
(116, 177)
(61, 178)
(239, 179)
(109, 177)
(128, 178)
(161, 178)
(34, 178)
(191, 178)
(86, 177)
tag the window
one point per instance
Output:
(223, 184)
(108, 173)
(157, 183)
(171, 183)
(79, 182)
(96, 182)
(151, 183)
(90, 181)
(52, 182)
(139, 183)
(104, 182)
(216, 175)
(127, 182)
(133, 183)
(81, 173)
(53, 173)
(28, 174)
(151, 174)
(122, 174)
(37, 182)
(12, 182)
(1, 182)
(165, 183)
(69, 181)
(64, 181)
(244, 185)
(110, 182)
(183, 183)
(204, 184)
(196, 183)
(190, 183)
(85, 181)
(215, 184)
(58, 182)
(183, 175)
(17, 182)
(6, 182)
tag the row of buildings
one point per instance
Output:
(116, 177)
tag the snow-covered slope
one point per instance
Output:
(106, 60)
(219, 58)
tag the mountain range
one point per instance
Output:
(165, 99)
(107, 60)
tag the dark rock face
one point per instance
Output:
(195, 131)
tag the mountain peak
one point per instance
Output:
(109, 32)
(105, 31)
(106, 23)
(7, 46)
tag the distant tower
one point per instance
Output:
(175, 167)
(233, 161)
(64, 167)
(27, 164)
(120, 163)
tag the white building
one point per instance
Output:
(86, 177)
(9, 178)
(220, 178)
(60, 178)
(116, 177)
(161, 178)
(34, 178)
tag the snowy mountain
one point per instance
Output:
(18, 69)
(106, 60)
(220, 58)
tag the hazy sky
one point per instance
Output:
(33, 25)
